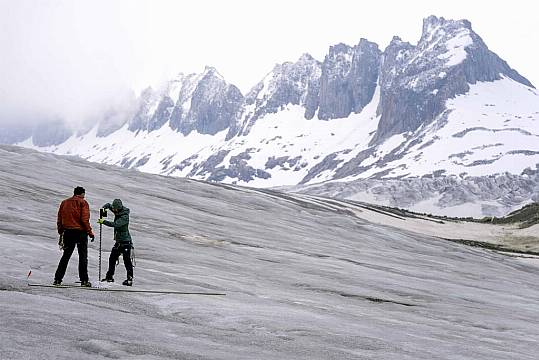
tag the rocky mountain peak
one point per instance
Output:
(146, 93)
(207, 103)
(306, 57)
(211, 72)
(417, 80)
(433, 22)
(338, 50)
(349, 78)
(294, 83)
(395, 40)
(204, 102)
(444, 42)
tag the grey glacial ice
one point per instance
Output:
(305, 278)
(446, 195)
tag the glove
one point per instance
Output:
(61, 242)
(92, 238)
(100, 221)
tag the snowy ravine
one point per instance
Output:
(305, 278)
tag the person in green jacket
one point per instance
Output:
(122, 240)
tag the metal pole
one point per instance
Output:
(100, 229)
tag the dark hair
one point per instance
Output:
(79, 190)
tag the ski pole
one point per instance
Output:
(100, 230)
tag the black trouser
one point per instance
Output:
(125, 250)
(74, 238)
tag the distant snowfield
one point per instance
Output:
(305, 278)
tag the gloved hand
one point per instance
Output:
(92, 238)
(100, 221)
(61, 242)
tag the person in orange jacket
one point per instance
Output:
(74, 227)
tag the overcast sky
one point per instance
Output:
(73, 58)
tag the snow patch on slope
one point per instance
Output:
(126, 148)
(288, 133)
(456, 46)
(494, 126)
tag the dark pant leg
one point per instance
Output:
(127, 260)
(114, 255)
(82, 247)
(69, 246)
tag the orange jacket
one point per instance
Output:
(74, 214)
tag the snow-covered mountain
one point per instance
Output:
(446, 106)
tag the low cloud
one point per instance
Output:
(58, 63)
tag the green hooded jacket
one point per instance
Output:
(120, 223)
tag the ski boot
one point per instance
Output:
(107, 279)
(85, 284)
(128, 282)
(57, 282)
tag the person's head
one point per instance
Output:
(79, 190)
(117, 205)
